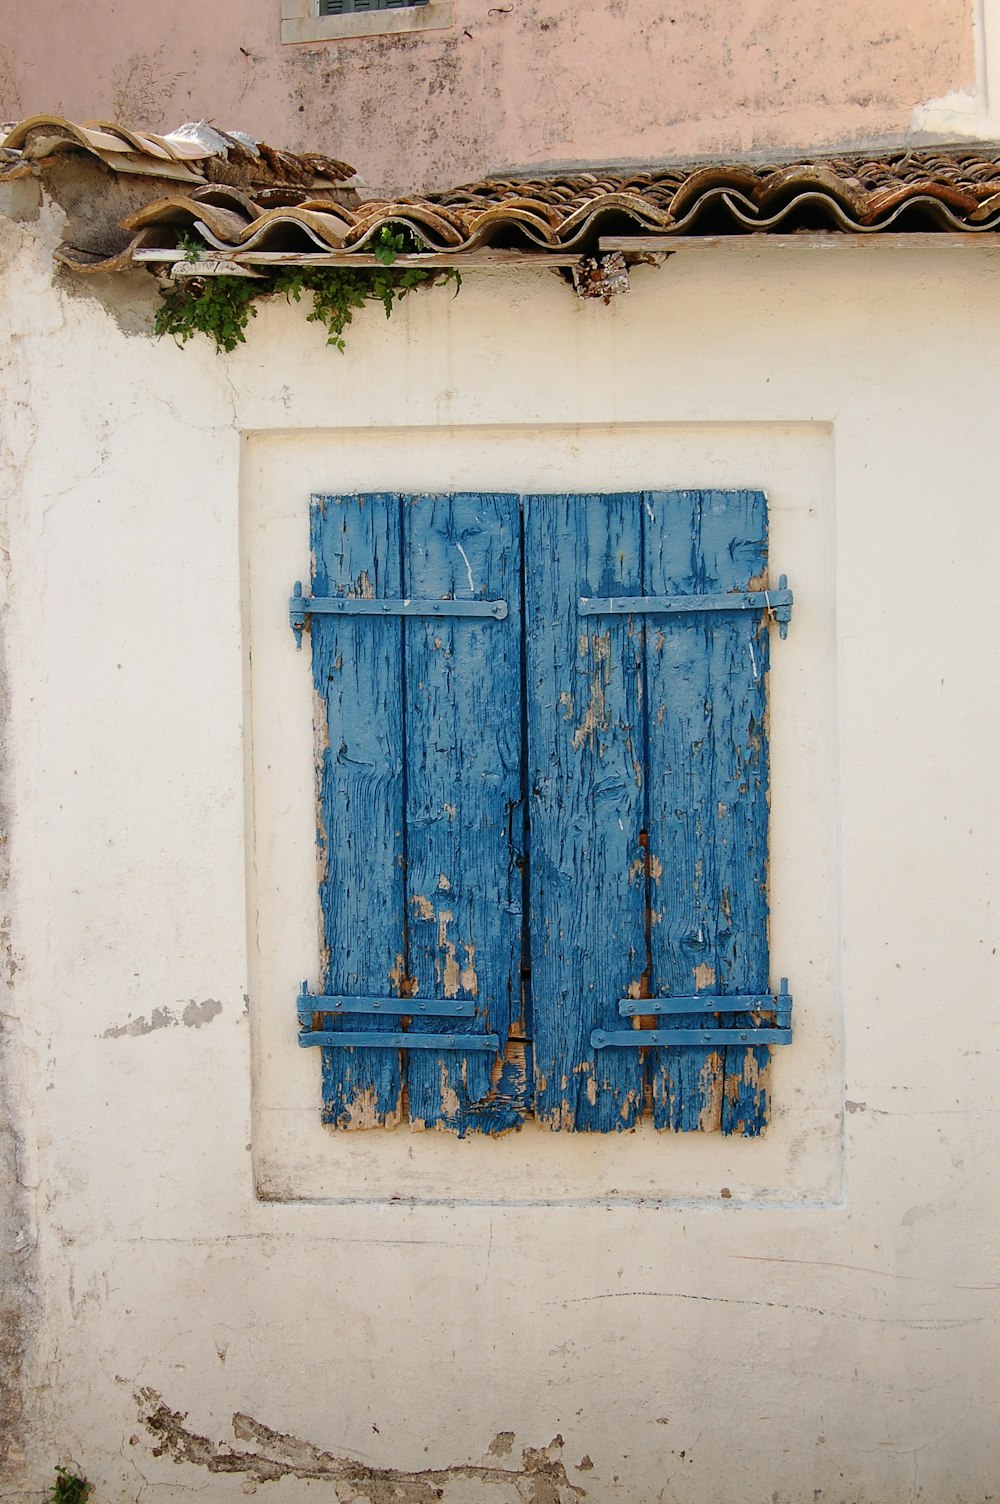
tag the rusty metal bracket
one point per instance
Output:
(777, 603)
(302, 607)
(716, 1036)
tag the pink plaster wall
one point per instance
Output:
(547, 82)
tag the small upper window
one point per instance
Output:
(330, 20)
(356, 7)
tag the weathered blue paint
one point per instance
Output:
(428, 581)
(510, 1096)
(356, 547)
(463, 760)
(708, 797)
(642, 764)
(586, 805)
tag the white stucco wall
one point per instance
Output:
(812, 1316)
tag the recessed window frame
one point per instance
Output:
(301, 23)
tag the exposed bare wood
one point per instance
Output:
(214, 267)
(824, 240)
(464, 260)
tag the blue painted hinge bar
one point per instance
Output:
(716, 1036)
(777, 603)
(309, 1004)
(441, 1007)
(301, 607)
(370, 1040)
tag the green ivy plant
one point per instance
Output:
(222, 307)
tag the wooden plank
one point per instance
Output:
(818, 240)
(586, 805)
(479, 260)
(356, 676)
(463, 771)
(213, 267)
(705, 680)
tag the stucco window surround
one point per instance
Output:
(295, 1156)
(301, 23)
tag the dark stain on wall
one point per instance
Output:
(539, 1479)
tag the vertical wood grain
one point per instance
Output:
(463, 759)
(705, 677)
(586, 804)
(646, 777)
(356, 676)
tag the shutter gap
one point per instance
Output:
(407, 983)
(645, 979)
(526, 1022)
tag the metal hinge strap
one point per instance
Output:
(716, 1036)
(777, 603)
(780, 1004)
(443, 1007)
(309, 1004)
(370, 1040)
(714, 1039)
(301, 607)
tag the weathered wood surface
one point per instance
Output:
(463, 763)
(807, 240)
(356, 661)
(541, 259)
(705, 679)
(586, 805)
(639, 747)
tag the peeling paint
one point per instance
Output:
(405, 986)
(450, 1103)
(710, 1090)
(197, 1014)
(160, 1018)
(363, 1112)
(193, 1016)
(540, 1479)
(452, 976)
(595, 716)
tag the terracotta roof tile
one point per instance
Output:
(239, 196)
(194, 153)
(956, 190)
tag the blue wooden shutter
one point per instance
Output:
(708, 796)
(643, 768)
(647, 758)
(356, 547)
(585, 776)
(419, 786)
